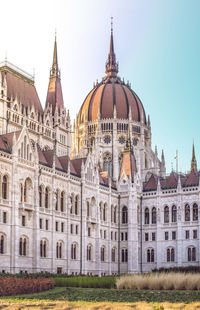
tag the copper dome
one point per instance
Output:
(109, 93)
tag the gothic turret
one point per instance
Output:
(193, 161)
(54, 94)
(111, 64)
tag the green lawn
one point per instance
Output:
(111, 295)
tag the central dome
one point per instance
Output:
(107, 94)
(110, 93)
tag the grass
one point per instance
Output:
(110, 295)
(160, 281)
(87, 282)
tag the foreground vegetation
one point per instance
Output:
(160, 281)
(111, 295)
(86, 282)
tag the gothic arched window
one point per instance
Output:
(2, 250)
(166, 214)
(124, 215)
(153, 218)
(62, 201)
(107, 163)
(73, 251)
(102, 253)
(174, 214)
(40, 195)
(146, 216)
(5, 187)
(113, 254)
(191, 252)
(46, 197)
(195, 212)
(187, 213)
(89, 252)
(76, 205)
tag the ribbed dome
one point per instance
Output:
(110, 93)
(107, 94)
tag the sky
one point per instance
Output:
(157, 44)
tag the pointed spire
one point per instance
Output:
(111, 64)
(163, 157)
(193, 161)
(54, 70)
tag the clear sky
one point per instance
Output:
(157, 44)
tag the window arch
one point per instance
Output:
(187, 213)
(27, 190)
(146, 216)
(150, 255)
(103, 254)
(59, 249)
(191, 253)
(195, 212)
(23, 246)
(112, 213)
(76, 205)
(115, 215)
(124, 215)
(104, 212)
(47, 191)
(170, 255)
(43, 248)
(73, 251)
(166, 214)
(124, 255)
(5, 187)
(89, 252)
(153, 215)
(174, 214)
(57, 199)
(40, 196)
(113, 254)
(88, 208)
(107, 163)
(62, 201)
(2, 244)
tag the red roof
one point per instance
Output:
(6, 141)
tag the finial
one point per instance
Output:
(55, 34)
(111, 21)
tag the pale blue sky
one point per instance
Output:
(157, 44)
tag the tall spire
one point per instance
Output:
(111, 64)
(54, 94)
(193, 161)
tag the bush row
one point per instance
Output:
(85, 281)
(13, 286)
(160, 281)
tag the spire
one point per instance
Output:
(54, 94)
(111, 65)
(193, 161)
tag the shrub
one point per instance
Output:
(160, 281)
(187, 269)
(23, 285)
(86, 281)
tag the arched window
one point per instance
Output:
(59, 250)
(150, 256)
(89, 252)
(174, 214)
(22, 246)
(170, 255)
(153, 215)
(25, 191)
(112, 211)
(40, 195)
(166, 214)
(113, 254)
(124, 215)
(191, 254)
(104, 212)
(62, 201)
(76, 205)
(88, 208)
(146, 216)
(107, 163)
(46, 197)
(2, 241)
(195, 212)
(115, 214)
(102, 253)
(43, 248)
(73, 251)
(71, 203)
(57, 195)
(21, 192)
(187, 213)
(5, 187)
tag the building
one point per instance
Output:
(95, 203)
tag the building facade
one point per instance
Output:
(95, 202)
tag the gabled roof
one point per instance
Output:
(6, 141)
(128, 165)
(192, 179)
(151, 184)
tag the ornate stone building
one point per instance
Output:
(95, 203)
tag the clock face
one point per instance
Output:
(107, 139)
(135, 141)
(121, 140)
